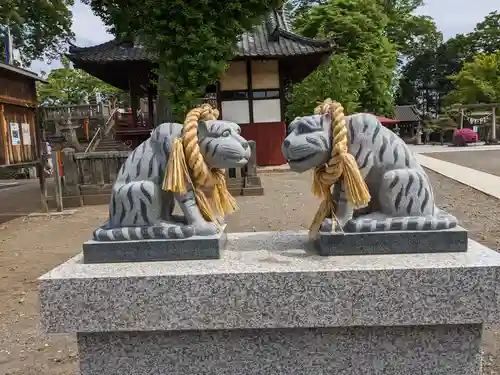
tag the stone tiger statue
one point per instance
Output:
(401, 194)
(140, 209)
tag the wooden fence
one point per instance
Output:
(88, 177)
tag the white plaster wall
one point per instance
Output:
(268, 110)
(237, 111)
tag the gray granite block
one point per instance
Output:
(430, 350)
(192, 248)
(272, 280)
(392, 242)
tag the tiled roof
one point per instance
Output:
(272, 38)
(21, 71)
(407, 113)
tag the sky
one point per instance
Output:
(451, 16)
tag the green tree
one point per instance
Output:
(478, 81)
(39, 28)
(192, 39)
(357, 28)
(486, 34)
(345, 81)
(408, 31)
(426, 77)
(67, 85)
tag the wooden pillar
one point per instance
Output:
(39, 139)
(493, 124)
(151, 107)
(133, 102)
(250, 92)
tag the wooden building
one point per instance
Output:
(409, 120)
(251, 92)
(19, 133)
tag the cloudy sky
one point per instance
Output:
(451, 16)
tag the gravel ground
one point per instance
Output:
(484, 161)
(30, 247)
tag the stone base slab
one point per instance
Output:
(192, 248)
(273, 280)
(392, 242)
(429, 350)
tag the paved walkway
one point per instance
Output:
(427, 149)
(485, 182)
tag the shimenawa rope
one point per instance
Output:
(341, 165)
(186, 165)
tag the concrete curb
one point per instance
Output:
(8, 185)
(49, 214)
(272, 170)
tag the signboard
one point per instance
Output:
(14, 134)
(26, 134)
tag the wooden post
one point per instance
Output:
(37, 142)
(57, 182)
(4, 154)
(493, 124)
(151, 109)
(134, 103)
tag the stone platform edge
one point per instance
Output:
(268, 280)
(390, 242)
(191, 248)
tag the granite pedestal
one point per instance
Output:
(191, 248)
(392, 242)
(270, 305)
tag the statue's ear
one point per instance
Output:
(202, 129)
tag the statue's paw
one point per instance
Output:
(205, 228)
(326, 225)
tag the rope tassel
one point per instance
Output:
(186, 165)
(341, 165)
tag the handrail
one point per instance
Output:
(92, 140)
(109, 120)
(99, 130)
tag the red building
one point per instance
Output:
(250, 93)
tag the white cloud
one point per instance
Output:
(451, 16)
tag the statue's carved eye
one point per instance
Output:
(226, 133)
(303, 129)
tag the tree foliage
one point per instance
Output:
(39, 28)
(426, 78)
(478, 81)
(344, 80)
(67, 85)
(358, 30)
(407, 31)
(192, 39)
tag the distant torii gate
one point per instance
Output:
(492, 106)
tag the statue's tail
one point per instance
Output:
(440, 221)
(156, 232)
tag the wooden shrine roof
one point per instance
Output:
(20, 71)
(406, 113)
(273, 38)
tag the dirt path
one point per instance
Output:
(28, 248)
(484, 161)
